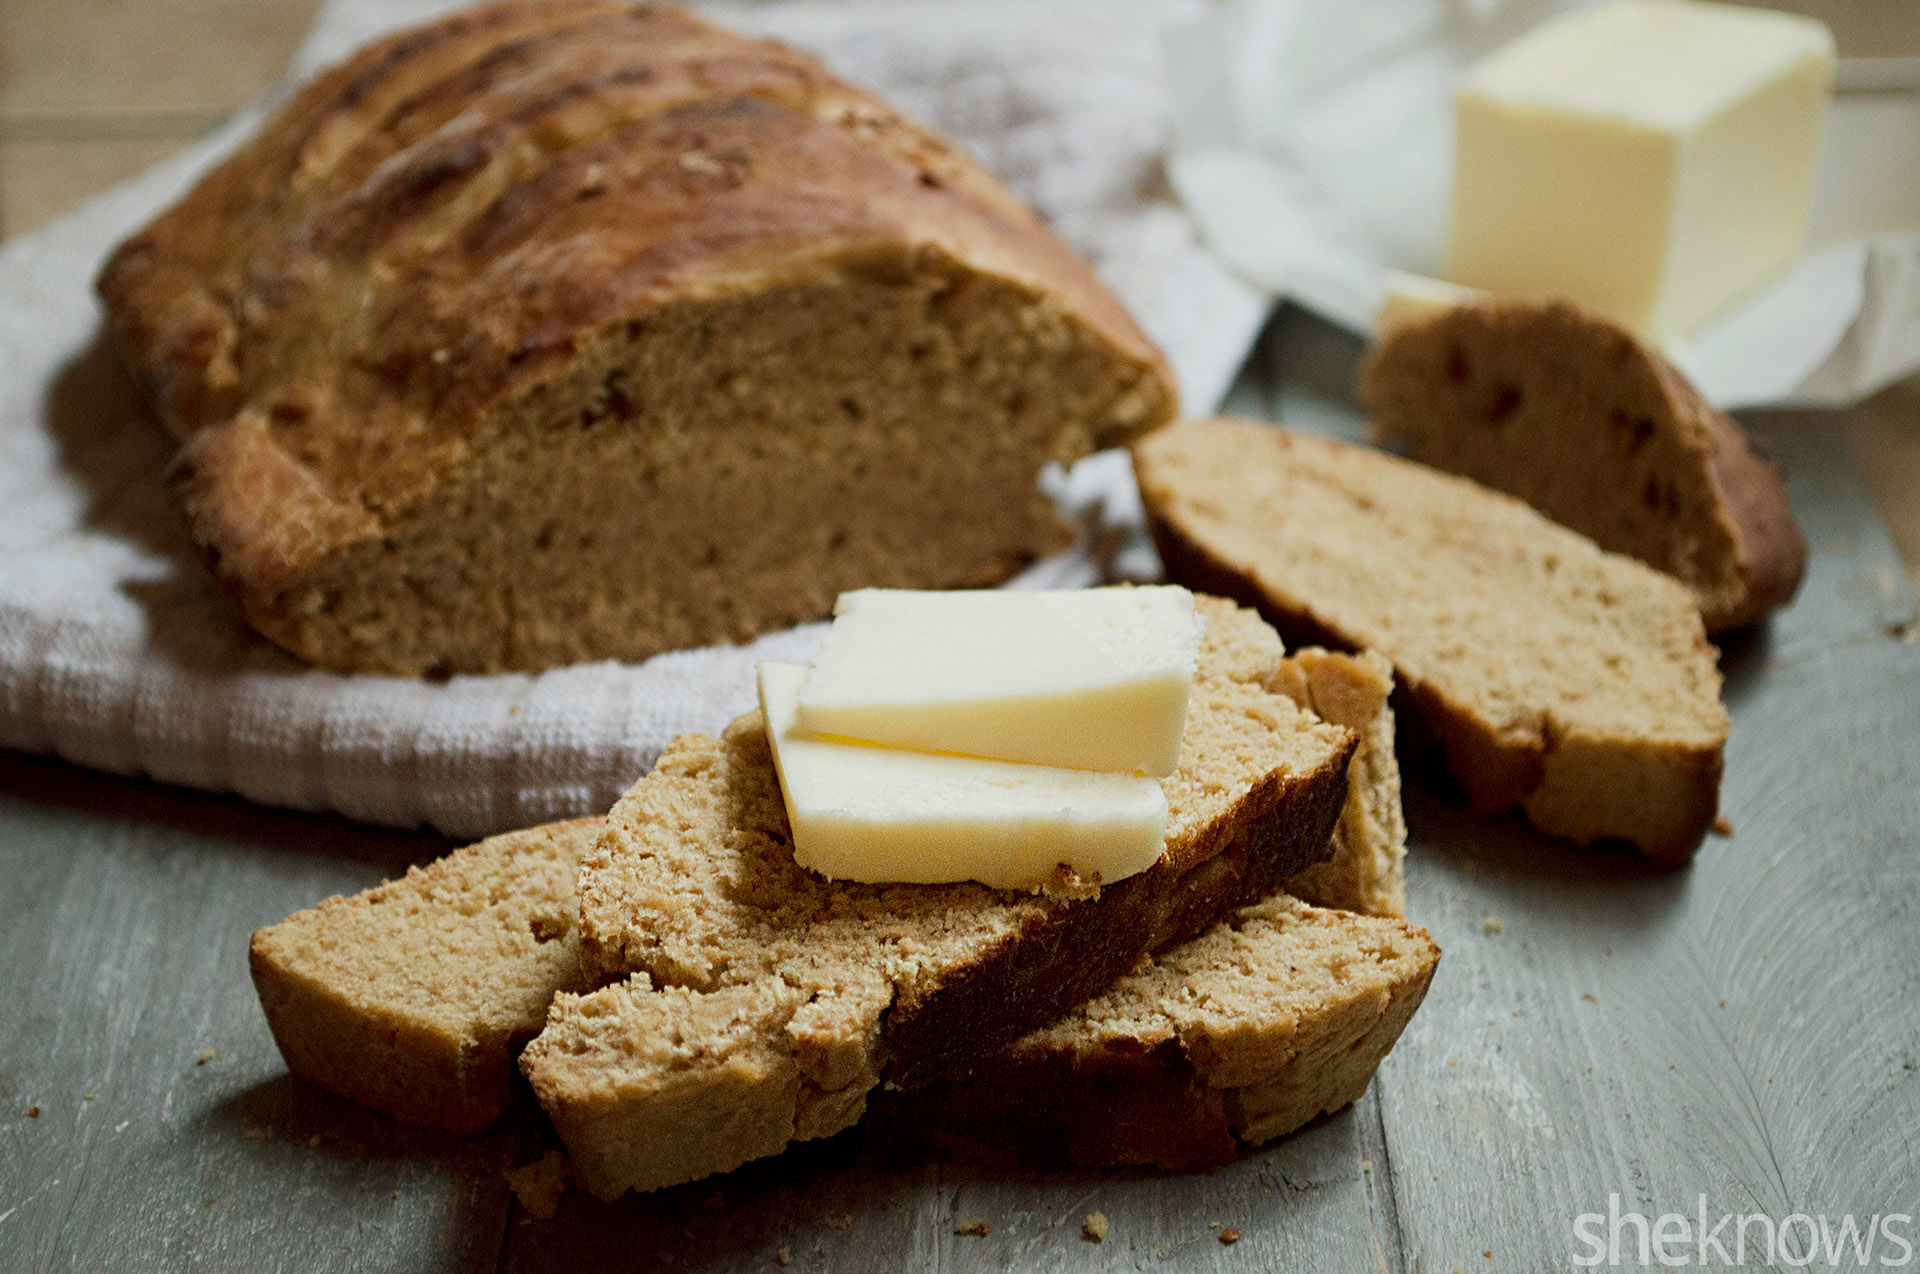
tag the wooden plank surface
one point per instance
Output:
(168, 1134)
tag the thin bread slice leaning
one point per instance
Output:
(764, 1003)
(414, 997)
(1576, 684)
(1589, 424)
(1370, 844)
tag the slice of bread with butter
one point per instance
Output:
(758, 1003)
(414, 997)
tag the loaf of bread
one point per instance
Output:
(763, 1003)
(1576, 684)
(1590, 425)
(413, 998)
(577, 330)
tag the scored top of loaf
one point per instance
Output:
(439, 223)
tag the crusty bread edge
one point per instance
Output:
(1770, 549)
(383, 1060)
(1753, 496)
(1181, 1103)
(1499, 772)
(1312, 1084)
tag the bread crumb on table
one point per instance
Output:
(1492, 925)
(844, 1221)
(1366, 1165)
(1722, 825)
(1094, 1228)
(206, 1055)
(33, 1112)
(974, 1228)
(1230, 1236)
(539, 1185)
(783, 1256)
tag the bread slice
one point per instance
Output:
(1573, 683)
(1258, 1026)
(563, 331)
(764, 1003)
(1369, 845)
(413, 997)
(407, 998)
(1590, 425)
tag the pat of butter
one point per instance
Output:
(866, 813)
(1087, 679)
(1415, 298)
(1652, 159)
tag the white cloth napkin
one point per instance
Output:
(117, 651)
(1313, 143)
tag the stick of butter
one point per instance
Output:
(1652, 159)
(1086, 679)
(859, 812)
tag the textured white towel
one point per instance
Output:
(116, 650)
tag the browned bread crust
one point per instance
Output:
(557, 331)
(1574, 684)
(1588, 423)
(1268, 1020)
(765, 1003)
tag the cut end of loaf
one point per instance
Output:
(723, 470)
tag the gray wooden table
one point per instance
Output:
(1742, 1037)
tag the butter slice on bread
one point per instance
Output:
(1575, 684)
(761, 1003)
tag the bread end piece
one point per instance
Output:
(1590, 424)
